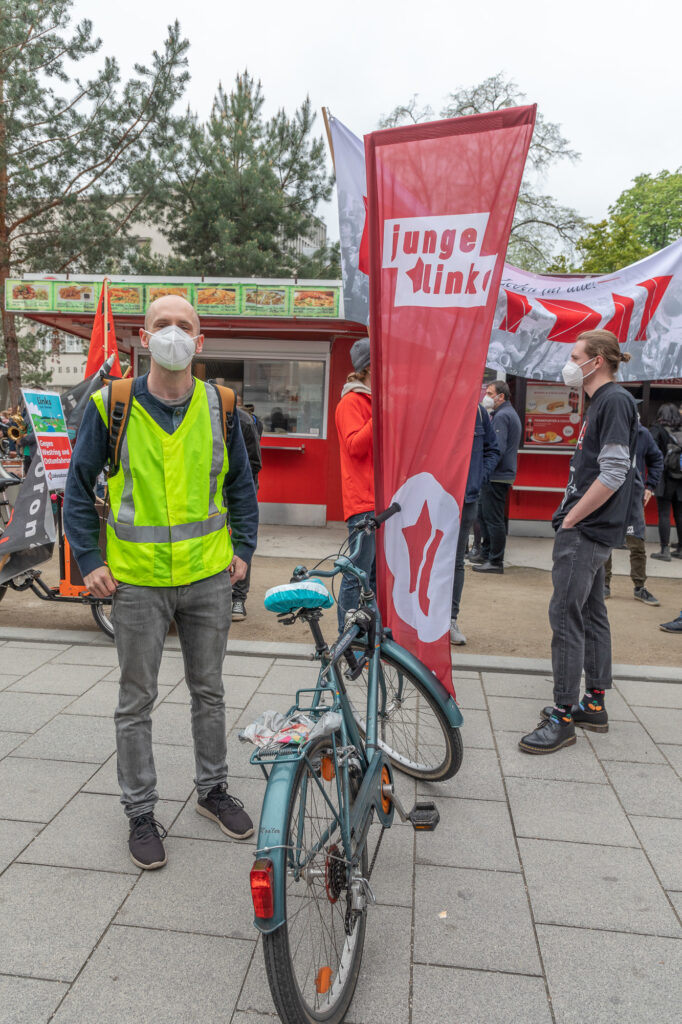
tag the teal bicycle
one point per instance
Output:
(376, 708)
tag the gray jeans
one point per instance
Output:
(142, 617)
(581, 637)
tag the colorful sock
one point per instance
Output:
(593, 700)
(562, 713)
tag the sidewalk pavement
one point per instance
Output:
(550, 892)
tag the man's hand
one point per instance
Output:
(100, 582)
(237, 569)
(647, 495)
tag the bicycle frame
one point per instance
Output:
(374, 765)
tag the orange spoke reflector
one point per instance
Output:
(328, 773)
(323, 980)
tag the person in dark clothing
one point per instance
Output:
(507, 427)
(649, 467)
(591, 520)
(240, 589)
(485, 455)
(669, 490)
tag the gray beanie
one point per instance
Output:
(359, 354)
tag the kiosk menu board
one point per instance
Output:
(553, 415)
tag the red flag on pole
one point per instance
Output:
(103, 337)
(441, 200)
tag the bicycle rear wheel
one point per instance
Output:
(101, 613)
(413, 730)
(313, 960)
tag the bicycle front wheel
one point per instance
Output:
(313, 959)
(413, 730)
(101, 613)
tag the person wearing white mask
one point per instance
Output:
(170, 557)
(592, 518)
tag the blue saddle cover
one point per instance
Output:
(304, 594)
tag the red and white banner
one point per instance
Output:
(539, 317)
(351, 192)
(441, 199)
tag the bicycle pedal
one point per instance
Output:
(424, 816)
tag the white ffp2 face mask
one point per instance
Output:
(488, 402)
(572, 374)
(172, 348)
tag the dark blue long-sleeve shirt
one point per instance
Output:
(81, 521)
(485, 455)
(649, 458)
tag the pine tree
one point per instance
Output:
(79, 159)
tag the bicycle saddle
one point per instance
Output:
(304, 594)
(8, 480)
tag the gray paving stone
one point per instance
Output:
(191, 825)
(101, 699)
(263, 701)
(6, 680)
(21, 660)
(574, 764)
(238, 755)
(676, 900)
(476, 731)
(387, 943)
(625, 741)
(392, 877)
(242, 1017)
(38, 645)
(10, 741)
(139, 976)
(66, 679)
(242, 665)
(514, 684)
(34, 790)
(479, 778)
(14, 836)
(286, 679)
(576, 812)
(637, 977)
(174, 772)
(662, 842)
(27, 1001)
(255, 996)
(663, 724)
(469, 693)
(477, 997)
(652, 789)
(186, 895)
(28, 712)
(601, 887)
(104, 656)
(488, 923)
(91, 832)
(72, 738)
(52, 917)
(514, 714)
(471, 834)
(239, 690)
(652, 695)
(673, 752)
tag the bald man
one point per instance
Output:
(170, 556)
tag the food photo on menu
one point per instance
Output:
(553, 415)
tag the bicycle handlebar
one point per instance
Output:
(387, 513)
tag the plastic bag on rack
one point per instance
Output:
(274, 728)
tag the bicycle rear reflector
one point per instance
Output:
(262, 888)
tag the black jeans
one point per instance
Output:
(665, 505)
(468, 516)
(493, 531)
(581, 636)
(240, 589)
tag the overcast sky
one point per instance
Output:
(609, 73)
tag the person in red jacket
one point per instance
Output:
(354, 427)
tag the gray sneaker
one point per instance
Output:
(238, 610)
(457, 637)
(642, 594)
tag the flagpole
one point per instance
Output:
(325, 117)
(105, 307)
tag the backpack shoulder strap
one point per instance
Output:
(227, 403)
(120, 400)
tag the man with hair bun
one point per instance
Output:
(591, 520)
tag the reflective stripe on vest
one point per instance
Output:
(168, 523)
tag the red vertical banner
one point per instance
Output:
(103, 338)
(441, 199)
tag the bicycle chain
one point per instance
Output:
(376, 851)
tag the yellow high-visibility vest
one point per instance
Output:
(167, 524)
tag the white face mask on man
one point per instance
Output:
(172, 348)
(573, 375)
(488, 402)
